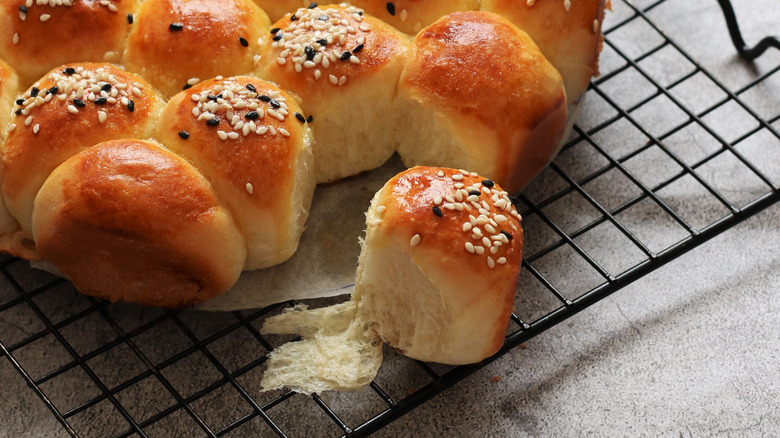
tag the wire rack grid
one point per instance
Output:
(651, 174)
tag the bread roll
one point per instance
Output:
(243, 134)
(567, 32)
(276, 9)
(72, 108)
(344, 65)
(37, 36)
(126, 220)
(478, 94)
(439, 265)
(410, 16)
(176, 42)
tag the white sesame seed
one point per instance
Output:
(250, 188)
(596, 26)
(11, 127)
(36, 128)
(342, 80)
(530, 2)
(470, 247)
(404, 15)
(567, 5)
(489, 228)
(415, 240)
(449, 206)
(381, 209)
(467, 226)
(44, 17)
(193, 81)
(490, 262)
(479, 249)
(486, 242)
(457, 177)
(333, 79)
(232, 135)
(493, 249)
(16, 38)
(101, 116)
(28, 121)
(72, 109)
(501, 260)
(222, 135)
(284, 132)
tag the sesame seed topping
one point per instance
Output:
(44, 17)
(243, 41)
(381, 209)
(596, 26)
(184, 135)
(212, 121)
(490, 262)
(312, 6)
(404, 15)
(437, 211)
(390, 8)
(300, 117)
(507, 235)
(415, 240)
(15, 38)
(129, 18)
(175, 27)
(567, 5)
(250, 188)
(102, 116)
(318, 38)
(530, 2)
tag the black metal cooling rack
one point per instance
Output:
(646, 189)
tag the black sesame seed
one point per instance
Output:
(508, 236)
(213, 122)
(475, 193)
(70, 70)
(106, 87)
(34, 92)
(251, 88)
(243, 42)
(100, 100)
(391, 8)
(358, 48)
(79, 103)
(488, 183)
(218, 96)
(360, 12)
(175, 27)
(346, 55)
(310, 53)
(274, 30)
(211, 97)
(323, 42)
(184, 134)
(310, 118)
(20, 101)
(323, 18)
(312, 5)
(129, 18)
(300, 117)
(186, 87)
(18, 112)
(437, 211)
(23, 9)
(277, 37)
(252, 115)
(294, 17)
(131, 106)
(264, 98)
(274, 103)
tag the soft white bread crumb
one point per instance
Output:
(338, 352)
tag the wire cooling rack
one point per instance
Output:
(647, 176)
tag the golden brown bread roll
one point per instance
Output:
(72, 108)
(126, 220)
(175, 42)
(244, 135)
(439, 265)
(567, 32)
(9, 89)
(410, 16)
(344, 65)
(276, 9)
(36, 36)
(478, 94)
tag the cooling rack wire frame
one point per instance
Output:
(109, 353)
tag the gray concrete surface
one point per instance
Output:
(690, 350)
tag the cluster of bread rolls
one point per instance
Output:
(174, 143)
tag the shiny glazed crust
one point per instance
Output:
(59, 121)
(146, 227)
(410, 16)
(173, 41)
(501, 98)
(47, 36)
(448, 222)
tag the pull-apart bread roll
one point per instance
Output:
(175, 43)
(567, 32)
(126, 220)
(480, 95)
(36, 36)
(344, 65)
(73, 107)
(410, 16)
(439, 265)
(246, 136)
